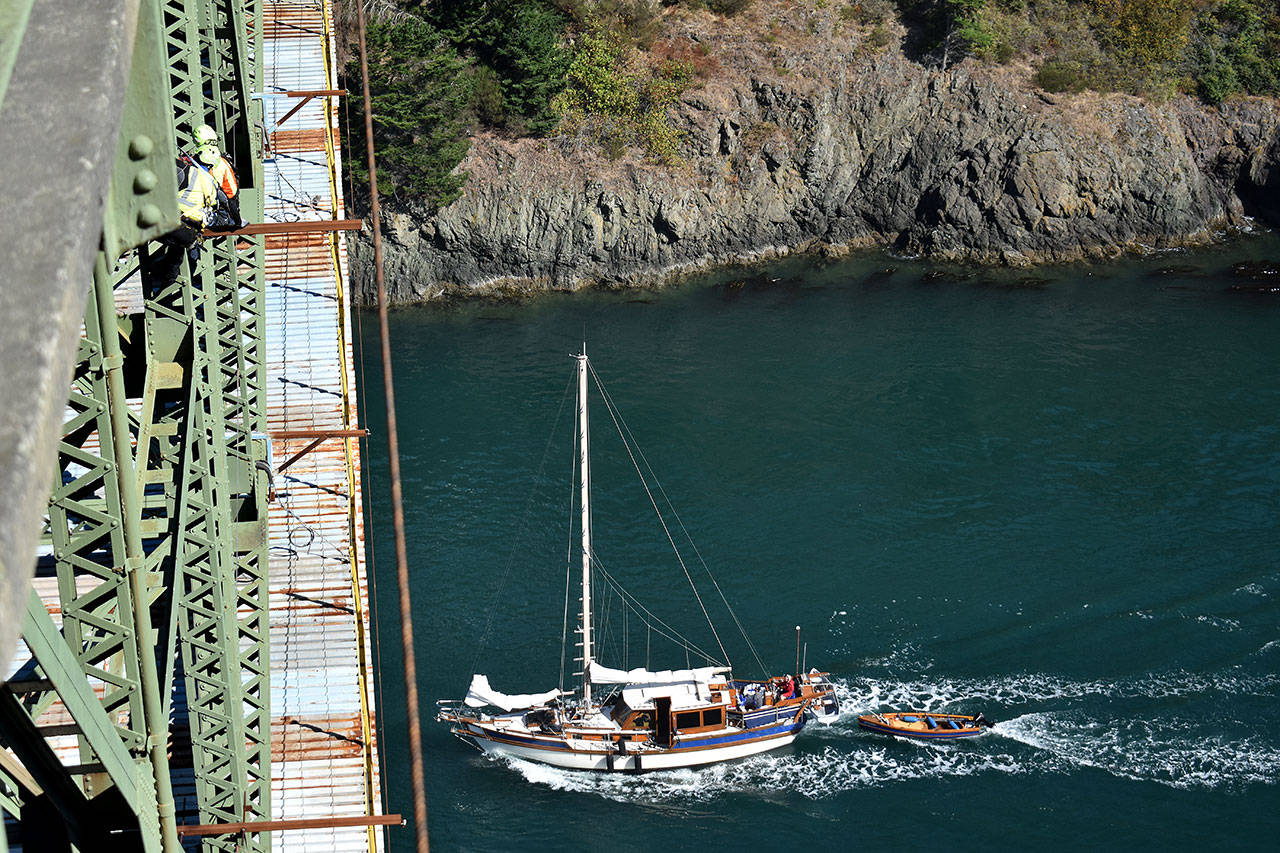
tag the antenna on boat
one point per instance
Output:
(797, 651)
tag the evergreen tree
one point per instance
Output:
(420, 93)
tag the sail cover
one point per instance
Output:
(607, 675)
(481, 694)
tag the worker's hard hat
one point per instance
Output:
(208, 154)
(206, 135)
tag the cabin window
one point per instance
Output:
(713, 717)
(687, 720)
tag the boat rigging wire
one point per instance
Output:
(393, 452)
(521, 528)
(629, 437)
(568, 562)
(635, 605)
(616, 416)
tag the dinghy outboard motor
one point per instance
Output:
(981, 720)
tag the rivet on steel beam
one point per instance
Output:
(140, 146)
(145, 181)
(149, 215)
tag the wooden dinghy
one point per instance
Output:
(925, 725)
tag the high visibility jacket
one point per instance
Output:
(225, 177)
(200, 195)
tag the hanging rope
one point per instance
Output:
(393, 453)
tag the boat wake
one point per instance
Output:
(1051, 736)
(1171, 751)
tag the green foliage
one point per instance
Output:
(1061, 77)
(946, 31)
(521, 41)
(1236, 49)
(969, 30)
(486, 97)
(1145, 37)
(618, 106)
(728, 8)
(420, 91)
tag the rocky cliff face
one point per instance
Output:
(830, 148)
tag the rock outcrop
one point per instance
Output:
(828, 148)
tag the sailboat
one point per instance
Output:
(637, 720)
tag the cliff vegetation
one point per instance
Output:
(610, 69)
(554, 143)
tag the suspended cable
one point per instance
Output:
(393, 453)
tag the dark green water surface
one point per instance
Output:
(1055, 500)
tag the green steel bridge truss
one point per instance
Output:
(156, 533)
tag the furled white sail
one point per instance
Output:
(481, 694)
(607, 675)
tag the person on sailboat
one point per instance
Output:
(788, 687)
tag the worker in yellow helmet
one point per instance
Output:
(197, 199)
(224, 176)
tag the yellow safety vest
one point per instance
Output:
(200, 196)
(225, 177)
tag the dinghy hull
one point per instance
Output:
(923, 725)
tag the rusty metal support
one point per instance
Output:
(306, 96)
(286, 434)
(310, 226)
(289, 825)
(317, 436)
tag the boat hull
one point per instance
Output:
(635, 757)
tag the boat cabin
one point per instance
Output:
(669, 710)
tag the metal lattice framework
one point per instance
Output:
(220, 584)
(158, 510)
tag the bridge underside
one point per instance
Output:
(193, 642)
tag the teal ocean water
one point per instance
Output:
(1052, 497)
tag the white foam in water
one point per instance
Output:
(814, 775)
(1167, 751)
(1164, 749)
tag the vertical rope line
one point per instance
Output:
(393, 454)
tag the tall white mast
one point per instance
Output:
(585, 465)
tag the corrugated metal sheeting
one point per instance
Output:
(324, 758)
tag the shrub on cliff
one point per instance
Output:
(419, 92)
(615, 98)
(1236, 49)
(1146, 42)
